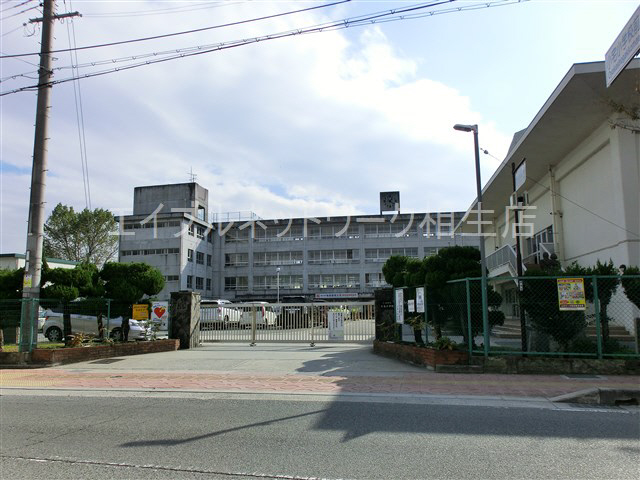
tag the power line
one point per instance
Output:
(395, 14)
(20, 13)
(163, 11)
(77, 95)
(16, 6)
(486, 152)
(186, 32)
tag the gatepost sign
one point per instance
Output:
(140, 311)
(399, 302)
(336, 324)
(571, 294)
(420, 299)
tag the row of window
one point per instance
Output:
(199, 257)
(149, 224)
(318, 257)
(152, 251)
(200, 283)
(292, 282)
(261, 233)
(200, 231)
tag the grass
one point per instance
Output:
(11, 347)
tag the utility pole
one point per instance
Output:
(35, 227)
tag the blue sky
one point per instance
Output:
(311, 125)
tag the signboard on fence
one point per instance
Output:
(399, 305)
(336, 324)
(140, 311)
(571, 294)
(160, 314)
(420, 299)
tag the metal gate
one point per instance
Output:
(288, 322)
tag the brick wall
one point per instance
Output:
(423, 356)
(83, 354)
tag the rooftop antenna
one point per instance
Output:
(192, 176)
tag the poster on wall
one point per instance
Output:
(160, 314)
(571, 294)
(336, 324)
(399, 305)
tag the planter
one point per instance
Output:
(423, 356)
(57, 356)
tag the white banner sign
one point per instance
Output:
(420, 299)
(411, 306)
(336, 325)
(399, 306)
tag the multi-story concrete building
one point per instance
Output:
(257, 259)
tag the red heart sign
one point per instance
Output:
(159, 311)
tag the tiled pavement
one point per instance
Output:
(546, 386)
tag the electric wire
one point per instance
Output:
(20, 13)
(163, 11)
(186, 32)
(396, 14)
(16, 6)
(548, 189)
(77, 94)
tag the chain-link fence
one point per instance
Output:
(592, 316)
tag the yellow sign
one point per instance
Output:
(141, 311)
(571, 294)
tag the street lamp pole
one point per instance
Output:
(483, 258)
(278, 285)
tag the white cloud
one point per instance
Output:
(310, 125)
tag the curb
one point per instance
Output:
(601, 396)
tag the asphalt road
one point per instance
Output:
(146, 435)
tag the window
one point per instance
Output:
(236, 259)
(189, 255)
(199, 283)
(189, 281)
(191, 229)
(272, 282)
(208, 260)
(199, 231)
(200, 258)
(172, 278)
(236, 283)
(208, 284)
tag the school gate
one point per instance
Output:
(311, 323)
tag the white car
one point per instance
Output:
(219, 312)
(265, 316)
(53, 327)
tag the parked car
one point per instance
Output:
(41, 318)
(220, 313)
(265, 316)
(53, 327)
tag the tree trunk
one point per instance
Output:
(66, 319)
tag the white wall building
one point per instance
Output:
(582, 187)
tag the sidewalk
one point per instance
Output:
(293, 369)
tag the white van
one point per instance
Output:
(265, 316)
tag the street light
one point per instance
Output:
(278, 285)
(483, 259)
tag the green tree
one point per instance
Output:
(63, 285)
(445, 299)
(81, 236)
(128, 283)
(606, 288)
(631, 284)
(539, 298)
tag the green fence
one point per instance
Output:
(593, 316)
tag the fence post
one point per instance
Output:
(35, 309)
(596, 305)
(108, 316)
(469, 329)
(253, 327)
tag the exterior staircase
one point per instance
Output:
(511, 330)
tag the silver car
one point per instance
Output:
(53, 327)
